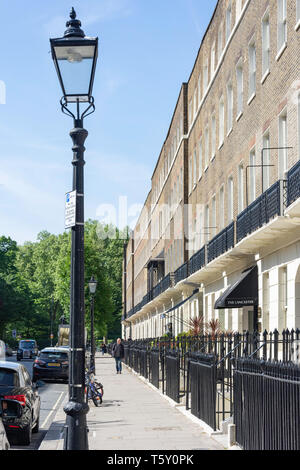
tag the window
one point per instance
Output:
(195, 168)
(213, 136)
(221, 121)
(266, 161)
(229, 107)
(213, 217)
(283, 297)
(220, 42)
(221, 208)
(195, 103)
(200, 158)
(205, 76)
(265, 44)
(206, 156)
(298, 12)
(212, 59)
(282, 24)
(230, 199)
(252, 189)
(206, 224)
(283, 160)
(199, 91)
(228, 21)
(241, 188)
(200, 229)
(190, 175)
(190, 112)
(240, 88)
(252, 70)
(238, 10)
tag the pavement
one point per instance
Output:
(134, 416)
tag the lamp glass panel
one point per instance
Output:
(75, 64)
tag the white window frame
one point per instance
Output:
(281, 26)
(221, 121)
(221, 208)
(266, 160)
(240, 188)
(228, 22)
(213, 59)
(220, 42)
(252, 70)
(282, 142)
(252, 170)
(213, 136)
(206, 147)
(229, 107)
(200, 157)
(240, 88)
(230, 199)
(238, 9)
(297, 14)
(205, 76)
(195, 168)
(266, 48)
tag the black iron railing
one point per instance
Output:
(267, 405)
(260, 212)
(197, 261)
(182, 273)
(293, 184)
(222, 243)
(200, 371)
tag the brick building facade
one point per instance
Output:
(224, 194)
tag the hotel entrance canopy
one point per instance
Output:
(243, 293)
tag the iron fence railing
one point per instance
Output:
(200, 370)
(267, 405)
(293, 184)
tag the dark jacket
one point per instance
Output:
(118, 351)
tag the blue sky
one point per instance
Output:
(147, 49)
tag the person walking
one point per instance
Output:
(103, 349)
(118, 354)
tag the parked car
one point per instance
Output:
(52, 363)
(16, 385)
(8, 350)
(28, 349)
(4, 443)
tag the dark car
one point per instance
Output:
(27, 349)
(16, 385)
(52, 363)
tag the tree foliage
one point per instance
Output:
(35, 283)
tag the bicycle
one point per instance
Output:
(94, 390)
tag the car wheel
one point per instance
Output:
(25, 436)
(37, 426)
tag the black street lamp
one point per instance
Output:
(75, 57)
(92, 289)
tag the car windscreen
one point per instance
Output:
(27, 344)
(56, 355)
(9, 378)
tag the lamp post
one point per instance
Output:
(92, 289)
(75, 58)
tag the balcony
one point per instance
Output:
(268, 223)
(197, 261)
(223, 242)
(182, 273)
(260, 212)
